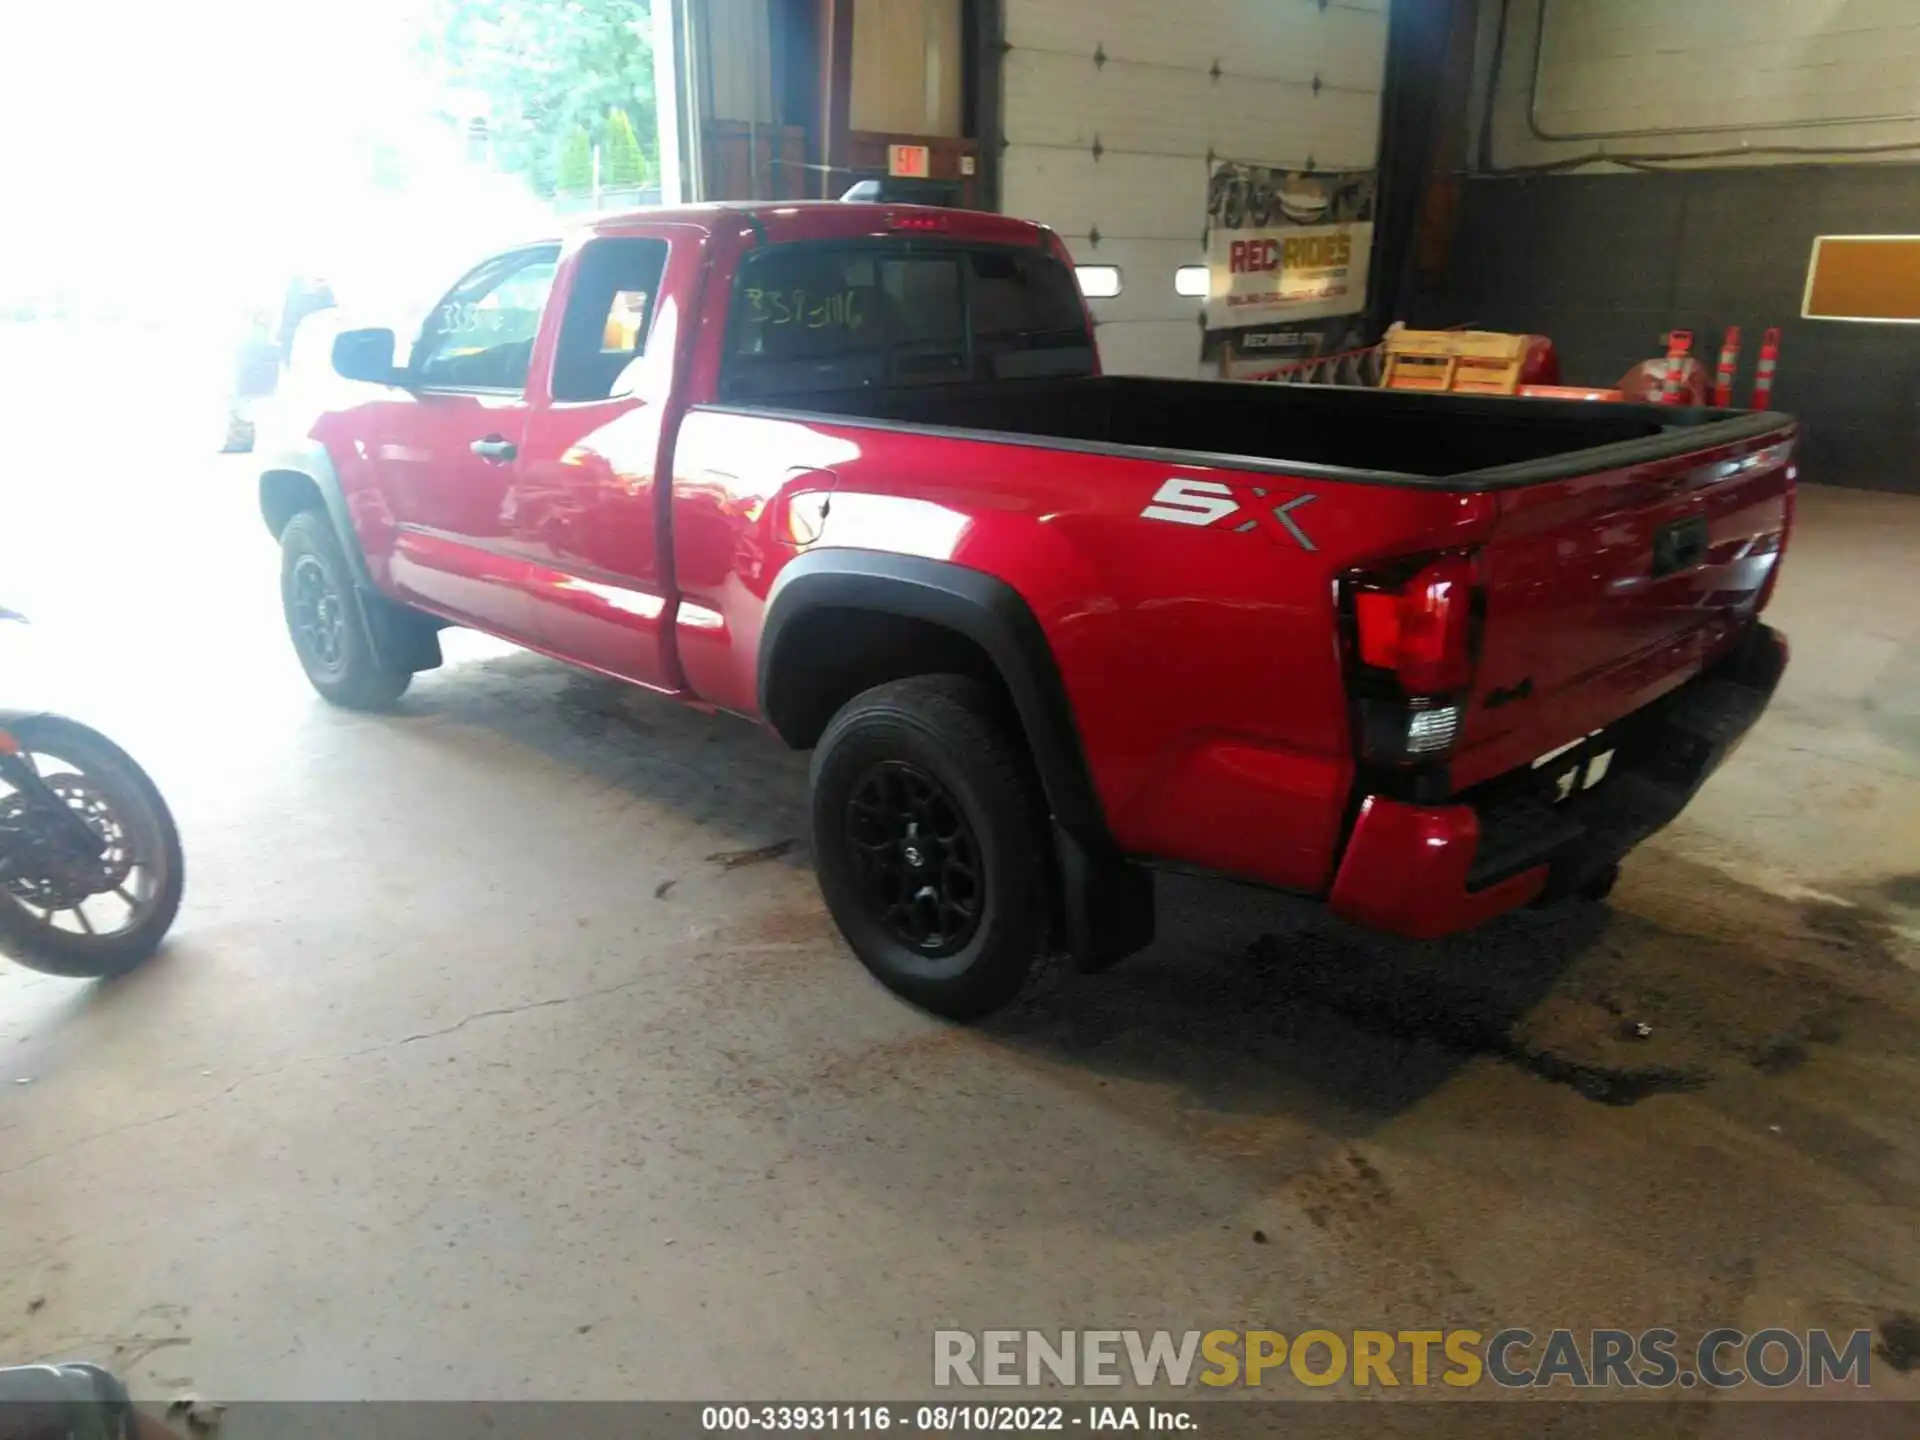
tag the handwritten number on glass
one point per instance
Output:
(802, 307)
(461, 318)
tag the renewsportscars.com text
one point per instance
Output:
(1720, 1359)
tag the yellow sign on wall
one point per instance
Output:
(1864, 277)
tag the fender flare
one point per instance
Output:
(981, 607)
(316, 465)
(1107, 902)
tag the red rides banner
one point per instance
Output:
(1286, 244)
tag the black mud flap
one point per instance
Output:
(405, 638)
(1106, 905)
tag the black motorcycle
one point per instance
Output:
(90, 862)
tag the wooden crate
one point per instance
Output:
(1465, 362)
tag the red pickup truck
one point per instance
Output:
(853, 471)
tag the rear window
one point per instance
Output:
(809, 318)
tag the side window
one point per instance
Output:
(615, 286)
(480, 336)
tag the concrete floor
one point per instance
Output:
(474, 1070)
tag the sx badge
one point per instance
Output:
(1209, 502)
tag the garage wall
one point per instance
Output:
(1607, 258)
(1112, 113)
(1674, 76)
(1606, 264)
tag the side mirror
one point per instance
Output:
(366, 355)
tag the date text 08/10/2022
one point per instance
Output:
(944, 1419)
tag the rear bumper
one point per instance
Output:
(1426, 871)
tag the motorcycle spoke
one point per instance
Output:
(80, 914)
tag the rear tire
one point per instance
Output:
(327, 621)
(928, 843)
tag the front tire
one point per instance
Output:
(327, 622)
(107, 787)
(928, 842)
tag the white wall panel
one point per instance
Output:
(1268, 123)
(1055, 99)
(1151, 347)
(1113, 109)
(1344, 46)
(1152, 196)
(1146, 270)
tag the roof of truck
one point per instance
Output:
(823, 220)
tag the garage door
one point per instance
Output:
(1113, 112)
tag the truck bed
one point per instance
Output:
(1450, 441)
(1620, 550)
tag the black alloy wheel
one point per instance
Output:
(319, 615)
(920, 867)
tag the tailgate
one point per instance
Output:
(1605, 591)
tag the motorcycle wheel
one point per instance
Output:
(87, 925)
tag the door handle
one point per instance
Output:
(495, 448)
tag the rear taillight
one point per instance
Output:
(1414, 638)
(1422, 630)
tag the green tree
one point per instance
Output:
(573, 173)
(623, 165)
(549, 68)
